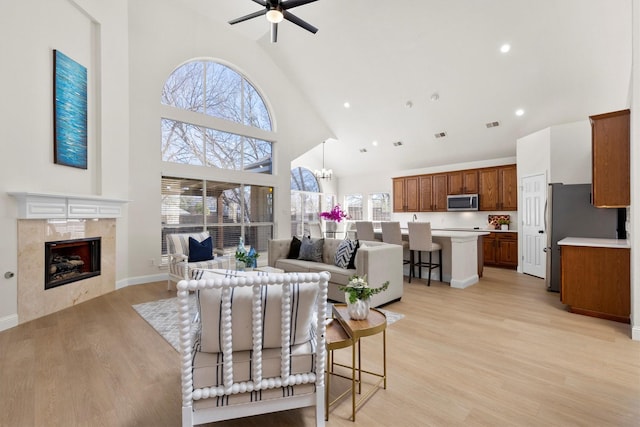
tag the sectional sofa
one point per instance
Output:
(379, 261)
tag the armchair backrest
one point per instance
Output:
(178, 243)
(250, 316)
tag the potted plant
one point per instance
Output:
(246, 259)
(504, 223)
(358, 295)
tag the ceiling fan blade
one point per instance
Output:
(294, 3)
(261, 2)
(299, 22)
(249, 16)
(274, 32)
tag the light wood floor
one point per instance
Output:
(503, 352)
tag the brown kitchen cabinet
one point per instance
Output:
(498, 188)
(610, 159)
(405, 194)
(501, 249)
(433, 193)
(595, 281)
(462, 182)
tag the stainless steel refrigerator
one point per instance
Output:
(569, 213)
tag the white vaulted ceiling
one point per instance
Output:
(569, 59)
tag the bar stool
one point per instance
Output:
(364, 230)
(391, 233)
(420, 240)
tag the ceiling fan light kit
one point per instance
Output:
(276, 11)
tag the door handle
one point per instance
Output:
(540, 231)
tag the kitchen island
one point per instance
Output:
(461, 255)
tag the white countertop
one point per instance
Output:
(450, 232)
(476, 230)
(593, 242)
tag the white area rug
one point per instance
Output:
(162, 315)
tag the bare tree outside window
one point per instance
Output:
(218, 91)
(380, 206)
(353, 206)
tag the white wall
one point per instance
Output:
(94, 34)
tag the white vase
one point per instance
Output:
(504, 226)
(359, 310)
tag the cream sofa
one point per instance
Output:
(379, 261)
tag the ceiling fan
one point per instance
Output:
(277, 10)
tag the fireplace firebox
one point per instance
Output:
(68, 261)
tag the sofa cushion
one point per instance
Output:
(344, 252)
(200, 251)
(294, 248)
(311, 249)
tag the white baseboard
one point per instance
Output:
(465, 283)
(635, 333)
(141, 280)
(8, 322)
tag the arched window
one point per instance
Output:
(303, 180)
(213, 116)
(216, 94)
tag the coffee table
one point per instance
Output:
(345, 332)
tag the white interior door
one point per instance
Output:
(534, 236)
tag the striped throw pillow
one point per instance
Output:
(344, 253)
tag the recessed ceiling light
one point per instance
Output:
(505, 48)
(434, 96)
(346, 104)
(408, 104)
(519, 112)
(374, 143)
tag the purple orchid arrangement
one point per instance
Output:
(335, 214)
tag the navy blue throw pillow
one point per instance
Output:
(294, 248)
(200, 251)
(352, 260)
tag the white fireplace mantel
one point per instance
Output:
(54, 206)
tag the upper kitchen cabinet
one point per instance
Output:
(610, 159)
(406, 194)
(433, 193)
(462, 182)
(498, 188)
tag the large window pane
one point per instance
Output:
(224, 93)
(380, 206)
(224, 150)
(257, 156)
(256, 113)
(182, 201)
(303, 180)
(353, 206)
(183, 88)
(182, 143)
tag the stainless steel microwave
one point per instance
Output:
(462, 202)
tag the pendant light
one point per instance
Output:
(323, 173)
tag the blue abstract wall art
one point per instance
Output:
(70, 111)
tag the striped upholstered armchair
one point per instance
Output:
(259, 345)
(185, 256)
